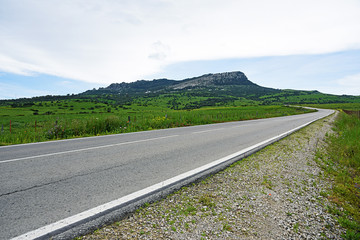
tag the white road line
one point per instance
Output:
(40, 232)
(242, 126)
(211, 130)
(84, 149)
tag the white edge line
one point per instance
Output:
(107, 206)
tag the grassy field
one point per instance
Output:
(337, 106)
(50, 120)
(344, 166)
(341, 162)
(307, 97)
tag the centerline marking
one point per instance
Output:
(85, 149)
(211, 130)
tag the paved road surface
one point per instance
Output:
(43, 183)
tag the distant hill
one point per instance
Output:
(220, 89)
(156, 85)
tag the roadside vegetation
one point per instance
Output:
(62, 119)
(337, 106)
(341, 163)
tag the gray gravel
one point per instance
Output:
(277, 193)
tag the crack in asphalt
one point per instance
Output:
(61, 180)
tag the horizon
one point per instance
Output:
(155, 79)
(59, 48)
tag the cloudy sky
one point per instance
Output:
(69, 46)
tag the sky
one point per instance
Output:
(59, 47)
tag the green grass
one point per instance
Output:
(62, 119)
(267, 183)
(306, 97)
(207, 200)
(296, 227)
(343, 165)
(337, 106)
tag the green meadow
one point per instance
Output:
(341, 163)
(338, 106)
(62, 119)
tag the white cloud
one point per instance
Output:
(349, 84)
(112, 41)
(160, 51)
(14, 66)
(350, 81)
(12, 91)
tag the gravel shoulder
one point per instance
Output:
(277, 193)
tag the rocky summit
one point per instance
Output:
(227, 78)
(207, 80)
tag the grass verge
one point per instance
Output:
(19, 125)
(341, 162)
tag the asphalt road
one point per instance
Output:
(43, 183)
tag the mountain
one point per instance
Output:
(156, 85)
(212, 90)
(219, 89)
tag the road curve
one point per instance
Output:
(73, 183)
